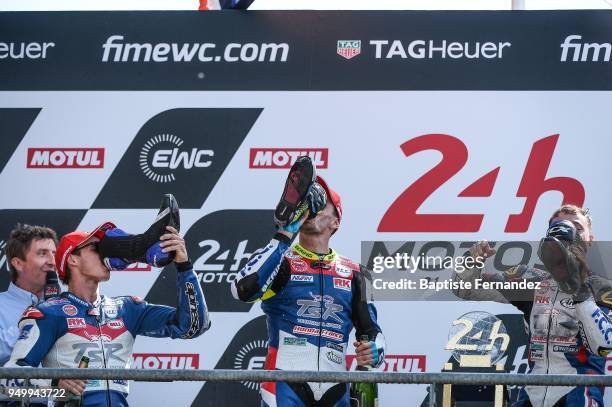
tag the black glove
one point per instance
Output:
(317, 199)
(563, 253)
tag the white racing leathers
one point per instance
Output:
(60, 331)
(565, 338)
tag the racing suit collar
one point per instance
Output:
(331, 256)
(81, 301)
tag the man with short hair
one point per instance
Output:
(311, 295)
(30, 253)
(81, 322)
(568, 316)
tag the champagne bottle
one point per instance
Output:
(364, 394)
(77, 401)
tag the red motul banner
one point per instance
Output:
(65, 158)
(166, 361)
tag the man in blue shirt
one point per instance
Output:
(30, 252)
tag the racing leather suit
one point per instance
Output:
(59, 331)
(565, 337)
(311, 302)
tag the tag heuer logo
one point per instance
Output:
(348, 48)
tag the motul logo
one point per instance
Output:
(285, 157)
(65, 158)
(166, 361)
(395, 363)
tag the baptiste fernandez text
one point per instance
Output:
(450, 284)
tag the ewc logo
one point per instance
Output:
(161, 155)
(186, 149)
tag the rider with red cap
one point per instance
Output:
(312, 296)
(83, 323)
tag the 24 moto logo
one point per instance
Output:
(220, 252)
(215, 260)
(402, 216)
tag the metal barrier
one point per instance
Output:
(455, 378)
(307, 376)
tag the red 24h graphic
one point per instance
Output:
(402, 214)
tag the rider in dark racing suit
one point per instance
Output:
(312, 298)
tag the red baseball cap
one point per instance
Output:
(72, 241)
(332, 195)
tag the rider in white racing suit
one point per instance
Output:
(80, 322)
(569, 334)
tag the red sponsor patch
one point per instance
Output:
(70, 309)
(32, 313)
(286, 157)
(76, 323)
(299, 265)
(342, 284)
(332, 335)
(297, 329)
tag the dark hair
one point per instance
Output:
(67, 275)
(76, 252)
(20, 240)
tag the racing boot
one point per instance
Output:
(563, 254)
(293, 201)
(144, 248)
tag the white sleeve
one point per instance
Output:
(595, 327)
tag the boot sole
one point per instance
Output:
(301, 176)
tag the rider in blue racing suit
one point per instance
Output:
(81, 322)
(312, 297)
